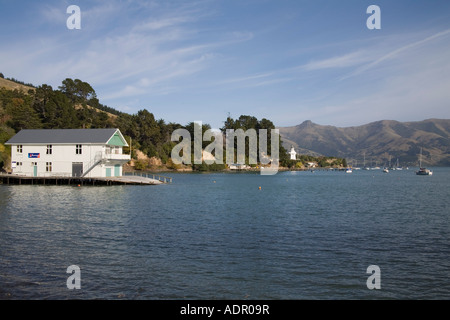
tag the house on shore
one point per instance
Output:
(91, 153)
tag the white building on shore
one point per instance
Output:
(292, 153)
(68, 153)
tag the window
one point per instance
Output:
(48, 166)
(49, 149)
(78, 149)
(18, 164)
(112, 150)
(34, 164)
(19, 148)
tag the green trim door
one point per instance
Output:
(117, 170)
(108, 172)
(35, 170)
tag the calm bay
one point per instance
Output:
(293, 235)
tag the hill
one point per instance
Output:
(75, 105)
(12, 85)
(377, 142)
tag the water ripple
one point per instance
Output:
(301, 236)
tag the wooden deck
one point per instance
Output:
(12, 179)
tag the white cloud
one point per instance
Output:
(347, 60)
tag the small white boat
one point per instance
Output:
(349, 170)
(386, 170)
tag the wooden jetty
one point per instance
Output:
(12, 179)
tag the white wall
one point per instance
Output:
(62, 158)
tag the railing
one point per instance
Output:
(149, 176)
(91, 164)
(116, 156)
(55, 175)
(41, 174)
(101, 156)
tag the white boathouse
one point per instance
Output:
(91, 153)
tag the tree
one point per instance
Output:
(246, 122)
(229, 124)
(192, 126)
(23, 116)
(147, 132)
(77, 91)
(42, 96)
(60, 113)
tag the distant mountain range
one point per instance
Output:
(377, 142)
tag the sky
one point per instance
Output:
(287, 61)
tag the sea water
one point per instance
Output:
(293, 235)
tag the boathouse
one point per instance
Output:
(90, 153)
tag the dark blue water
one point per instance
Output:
(302, 235)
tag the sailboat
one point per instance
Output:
(398, 166)
(423, 171)
(365, 167)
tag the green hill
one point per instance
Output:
(74, 104)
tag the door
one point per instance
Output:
(77, 169)
(108, 172)
(117, 170)
(35, 170)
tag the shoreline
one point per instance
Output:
(175, 171)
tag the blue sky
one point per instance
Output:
(288, 61)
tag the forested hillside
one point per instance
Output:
(74, 104)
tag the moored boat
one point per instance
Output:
(423, 171)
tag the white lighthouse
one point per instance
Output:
(293, 153)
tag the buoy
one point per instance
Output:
(79, 185)
(259, 188)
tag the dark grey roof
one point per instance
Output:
(62, 136)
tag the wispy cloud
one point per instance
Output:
(164, 45)
(245, 78)
(206, 53)
(52, 14)
(396, 53)
(162, 23)
(343, 61)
